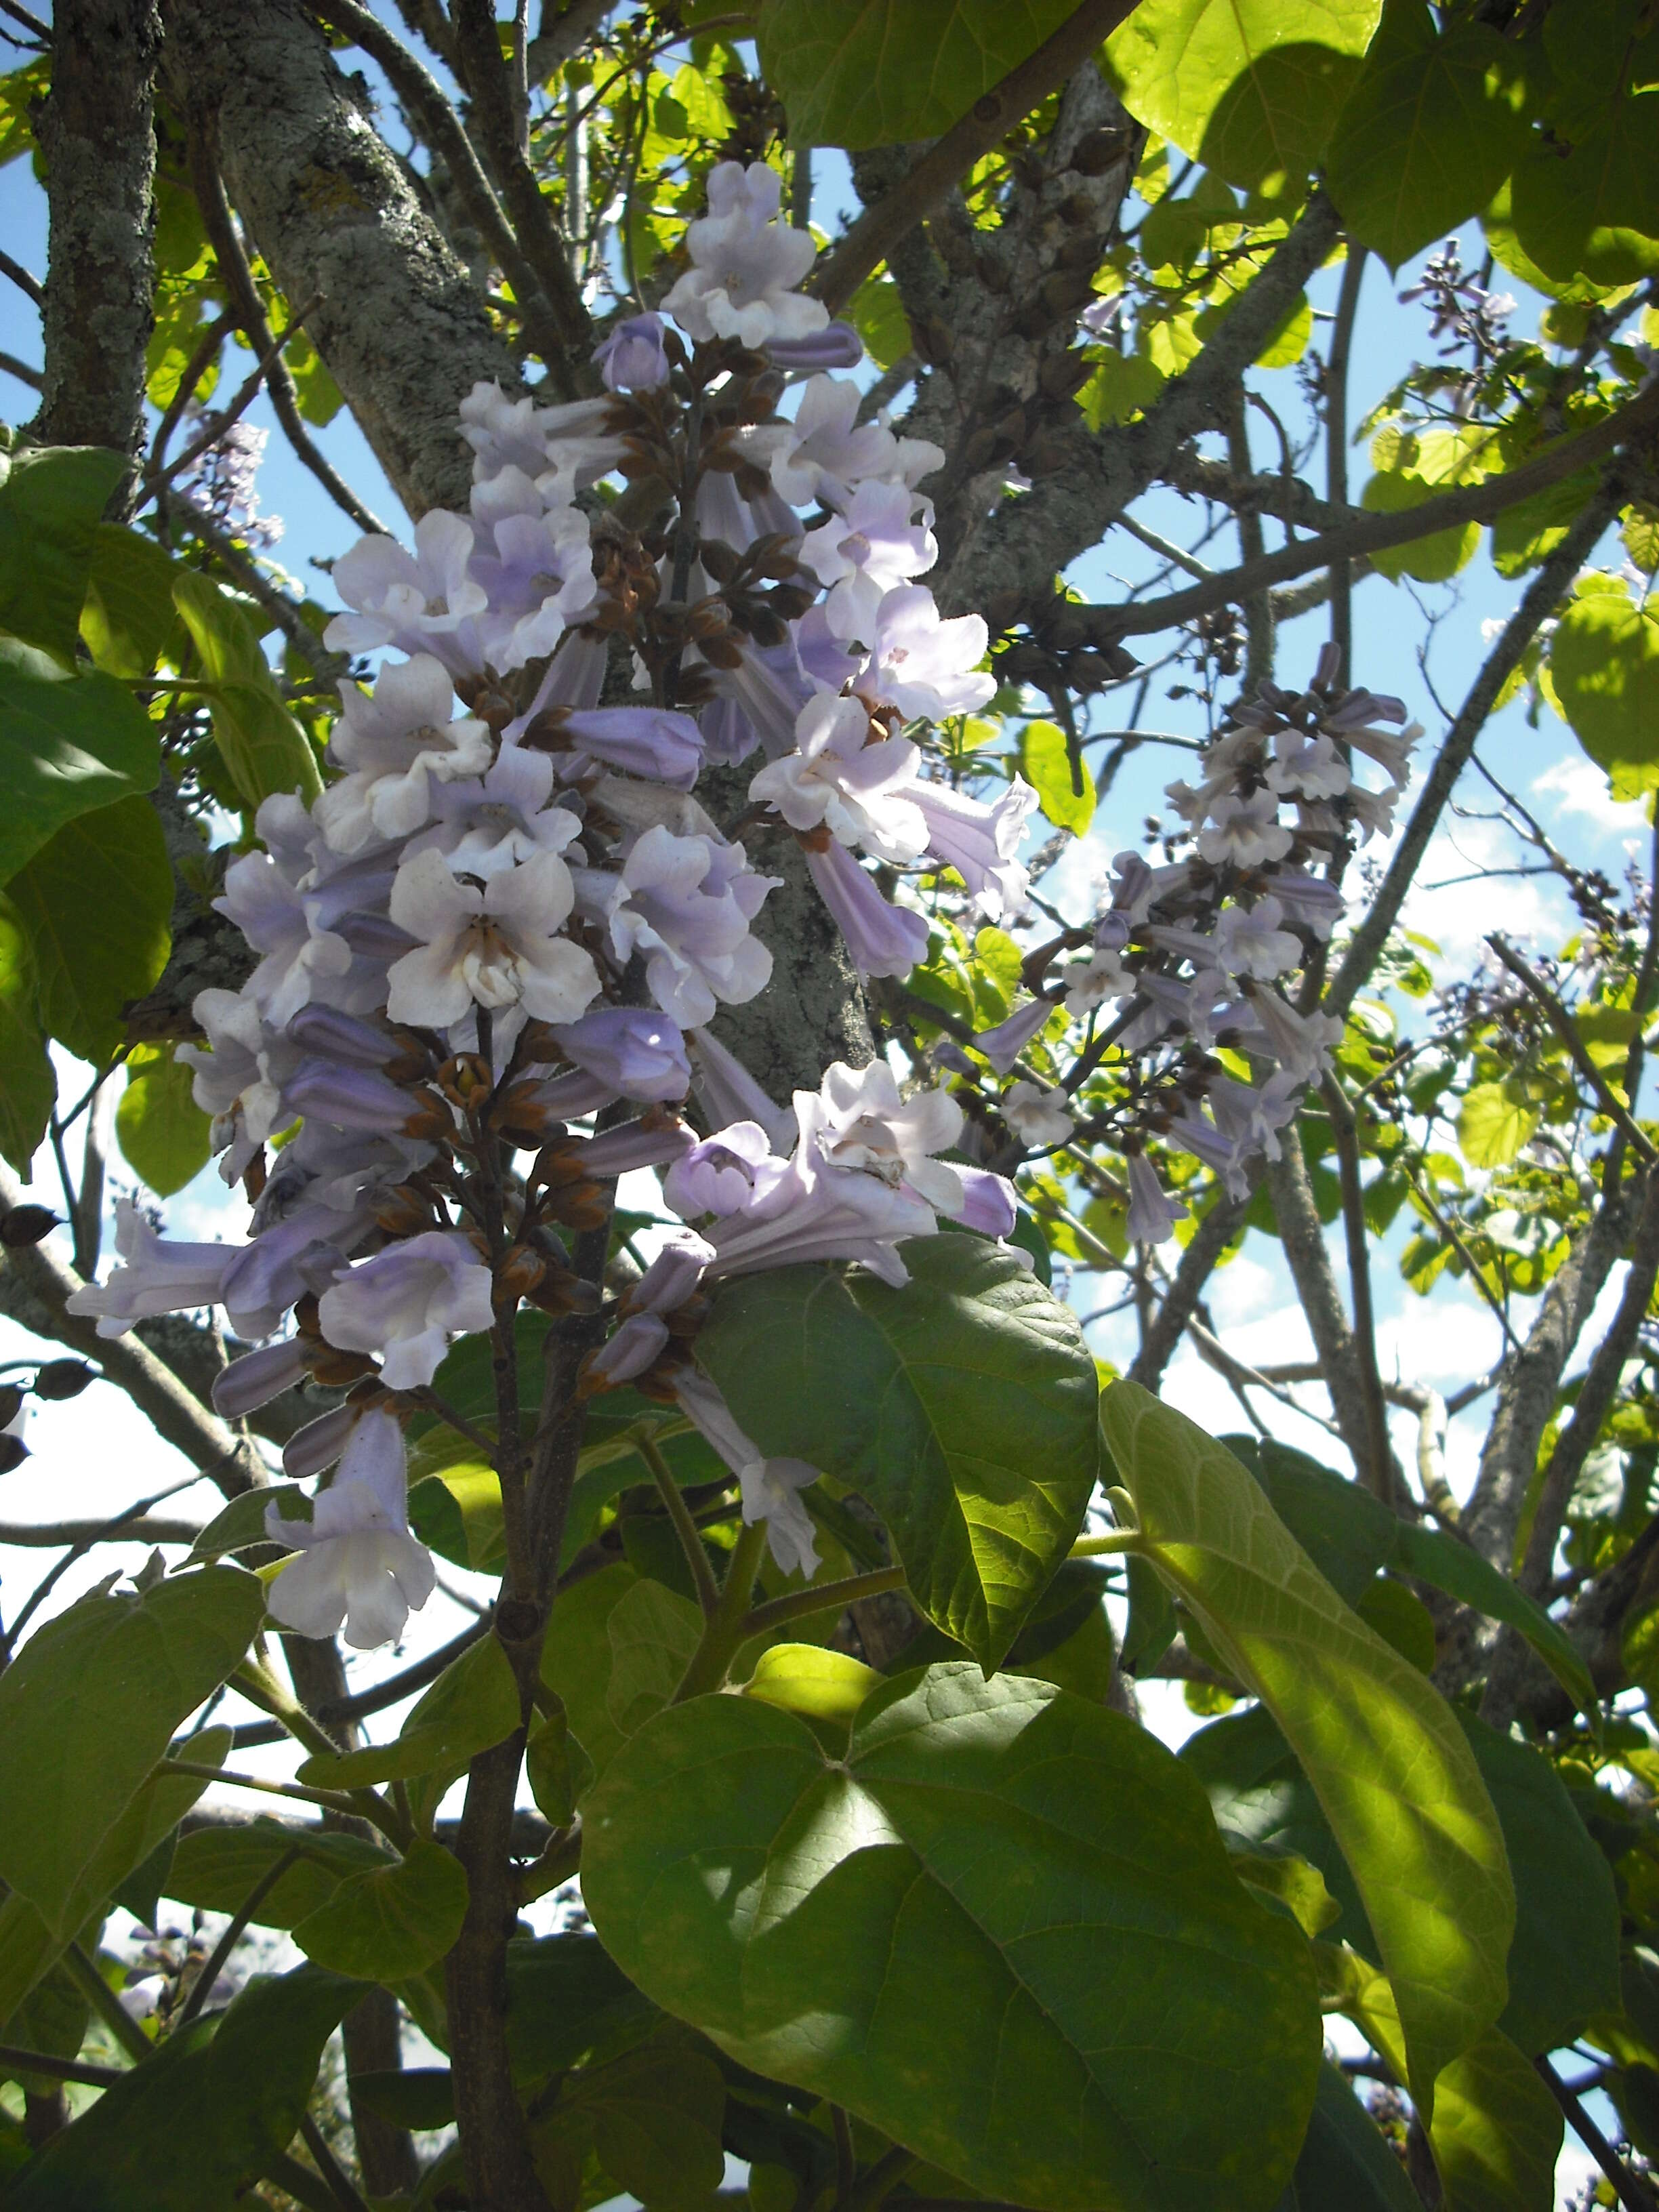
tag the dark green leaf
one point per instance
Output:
(216, 1869)
(192, 2129)
(50, 498)
(881, 70)
(68, 744)
(93, 954)
(238, 1526)
(391, 1922)
(473, 1703)
(1002, 1930)
(1386, 1758)
(129, 617)
(28, 1083)
(963, 1405)
(1458, 1569)
(652, 2116)
(1345, 2164)
(1346, 1532)
(565, 1996)
(417, 2097)
(88, 1707)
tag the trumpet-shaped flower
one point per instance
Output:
(859, 791)
(489, 944)
(405, 1302)
(355, 1560)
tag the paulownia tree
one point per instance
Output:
(686, 788)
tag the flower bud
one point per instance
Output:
(62, 1378)
(11, 1403)
(27, 1224)
(465, 1080)
(13, 1452)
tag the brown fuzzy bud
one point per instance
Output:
(520, 1271)
(429, 1121)
(1100, 150)
(335, 1370)
(580, 1205)
(721, 560)
(27, 1224)
(62, 1378)
(403, 1212)
(13, 1452)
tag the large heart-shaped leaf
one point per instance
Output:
(88, 1706)
(50, 499)
(1382, 1748)
(94, 953)
(962, 1405)
(1002, 1928)
(68, 744)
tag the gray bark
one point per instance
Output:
(404, 331)
(97, 134)
(1303, 1236)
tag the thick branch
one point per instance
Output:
(403, 330)
(1306, 1255)
(97, 134)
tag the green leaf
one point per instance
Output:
(192, 2129)
(1002, 1930)
(1563, 1962)
(652, 2115)
(1251, 88)
(1430, 132)
(67, 744)
(1122, 386)
(96, 950)
(238, 1526)
(216, 1869)
(28, 1082)
(90, 1704)
(1596, 210)
(1494, 1124)
(962, 1405)
(883, 70)
(1604, 661)
(1387, 1760)
(1435, 557)
(1458, 1570)
(393, 1921)
(129, 617)
(473, 1704)
(1345, 2164)
(575, 1658)
(566, 1998)
(50, 499)
(652, 1633)
(163, 1133)
(876, 314)
(1347, 1533)
(1044, 760)
(805, 1678)
(556, 1767)
(261, 744)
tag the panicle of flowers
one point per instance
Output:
(488, 954)
(1193, 957)
(221, 480)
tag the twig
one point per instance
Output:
(30, 21)
(991, 116)
(1561, 1022)
(45, 1536)
(1344, 1130)
(22, 279)
(702, 1574)
(235, 1928)
(1336, 450)
(22, 372)
(221, 420)
(827, 1597)
(338, 2181)
(15, 2059)
(207, 346)
(1630, 2190)
(282, 610)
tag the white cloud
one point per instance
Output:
(1578, 786)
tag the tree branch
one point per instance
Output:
(1198, 1263)
(880, 228)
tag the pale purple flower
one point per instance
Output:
(349, 1098)
(1003, 1045)
(831, 451)
(1102, 976)
(239, 1080)
(414, 601)
(883, 939)
(860, 791)
(728, 1092)
(1372, 811)
(537, 571)
(744, 265)
(797, 1211)
(489, 944)
(634, 1051)
(652, 1141)
(405, 1303)
(1153, 1213)
(718, 1174)
(1037, 1114)
(297, 1252)
(631, 358)
(988, 1203)
(157, 1277)
(858, 1122)
(627, 1351)
(1254, 1115)
(866, 552)
(1301, 1043)
(486, 827)
(686, 904)
(326, 1030)
(357, 1561)
(1307, 767)
(838, 345)
(771, 1487)
(397, 742)
(299, 957)
(1249, 941)
(1242, 833)
(979, 842)
(672, 1277)
(319, 1444)
(1312, 901)
(643, 740)
(922, 664)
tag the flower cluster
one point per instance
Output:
(490, 953)
(1187, 958)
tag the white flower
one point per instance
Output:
(491, 944)
(392, 741)
(1037, 1116)
(687, 903)
(770, 1487)
(921, 664)
(1301, 1043)
(1153, 1213)
(158, 1277)
(866, 552)
(357, 1561)
(403, 1302)
(840, 780)
(744, 265)
(857, 1122)
(1307, 768)
(829, 451)
(412, 601)
(485, 827)
(1249, 941)
(1103, 976)
(1244, 832)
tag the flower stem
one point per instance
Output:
(1120, 1539)
(824, 1597)
(709, 1595)
(82, 1970)
(727, 1626)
